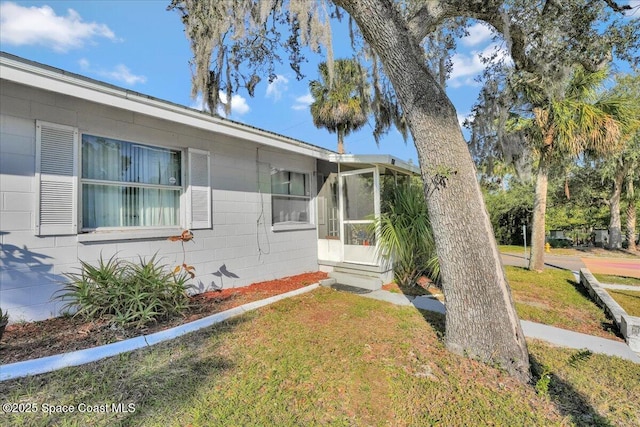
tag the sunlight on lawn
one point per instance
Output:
(327, 358)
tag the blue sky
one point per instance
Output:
(139, 45)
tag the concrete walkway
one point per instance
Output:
(550, 334)
(620, 287)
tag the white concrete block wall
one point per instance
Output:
(32, 268)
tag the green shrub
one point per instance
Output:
(126, 293)
(559, 243)
(405, 234)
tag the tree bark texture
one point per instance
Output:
(481, 321)
(615, 223)
(340, 133)
(631, 219)
(536, 260)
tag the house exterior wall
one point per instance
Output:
(242, 237)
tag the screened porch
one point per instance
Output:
(351, 191)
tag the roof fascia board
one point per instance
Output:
(55, 81)
(379, 159)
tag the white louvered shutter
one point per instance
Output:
(56, 177)
(199, 190)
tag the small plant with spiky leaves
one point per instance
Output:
(125, 293)
(4, 320)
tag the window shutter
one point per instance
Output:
(56, 178)
(199, 190)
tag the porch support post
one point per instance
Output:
(376, 199)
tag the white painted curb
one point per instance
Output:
(51, 363)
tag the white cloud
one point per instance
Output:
(467, 66)
(276, 88)
(120, 73)
(461, 119)
(21, 26)
(84, 64)
(635, 11)
(198, 104)
(239, 105)
(465, 116)
(478, 33)
(303, 102)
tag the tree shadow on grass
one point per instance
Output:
(609, 324)
(436, 320)
(162, 379)
(569, 402)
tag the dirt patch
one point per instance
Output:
(536, 304)
(423, 287)
(25, 341)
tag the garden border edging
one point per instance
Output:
(80, 357)
(629, 326)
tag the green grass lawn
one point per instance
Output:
(519, 250)
(618, 280)
(328, 358)
(581, 252)
(628, 300)
(512, 249)
(554, 298)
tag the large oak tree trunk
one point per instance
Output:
(615, 223)
(631, 219)
(536, 261)
(481, 321)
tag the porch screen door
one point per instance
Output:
(358, 201)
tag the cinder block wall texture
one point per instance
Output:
(241, 238)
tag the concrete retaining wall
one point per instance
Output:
(629, 326)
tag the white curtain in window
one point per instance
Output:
(123, 198)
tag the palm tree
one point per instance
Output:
(568, 120)
(341, 98)
(405, 235)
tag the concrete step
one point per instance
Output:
(357, 280)
(360, 269)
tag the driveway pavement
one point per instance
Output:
(628, 267)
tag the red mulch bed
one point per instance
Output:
(64, 334)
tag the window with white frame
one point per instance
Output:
(121, 184)
(126, 184)
(290, 197)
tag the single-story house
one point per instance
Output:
(91, 170)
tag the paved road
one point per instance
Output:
(555, 261)
(628, 267)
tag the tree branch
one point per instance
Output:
(425, 20)
(616, 7)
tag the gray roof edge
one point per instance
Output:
(378, 159)
(29, 66)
